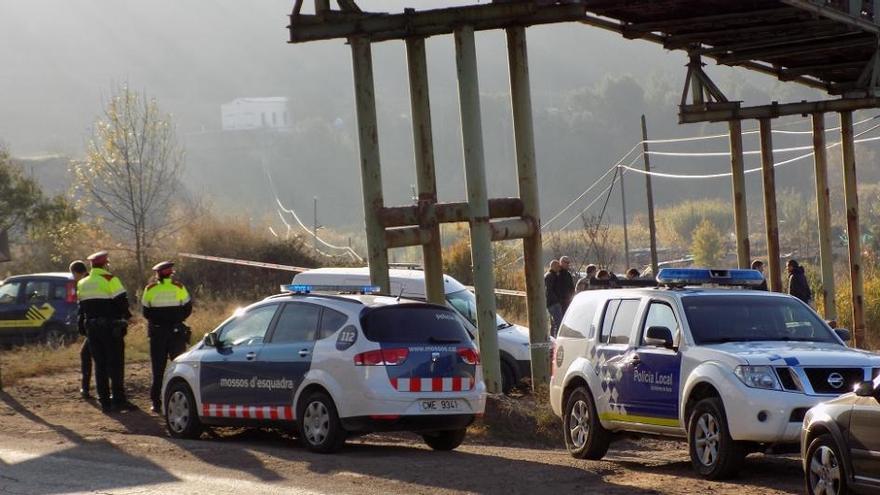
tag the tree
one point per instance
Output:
(132, 169)
(706, 246)
(20, 196)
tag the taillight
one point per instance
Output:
(469, 355)
(71, 292)
(381, 357)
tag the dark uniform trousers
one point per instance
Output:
(166, 343)
(85, 361)
(107, 346)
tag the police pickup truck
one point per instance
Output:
(733, 371)
(331, 366)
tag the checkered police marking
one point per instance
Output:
(448, 384)
(281, 413)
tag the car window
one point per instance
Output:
(37, 290)
(414, 324)
(622, 327)
(331, 321)
(9, 292)
(660, 315)
(249, 328)
(59, 292)
(465, 302)
(578, 321)
(608, 319)
(753, 318)
(297, 323)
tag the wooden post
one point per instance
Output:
(652, 227)
(853, 233)
(770, 216)
(823, 214)
(738, 181)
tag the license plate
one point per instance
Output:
(439, 405)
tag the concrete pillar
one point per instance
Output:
(738, 181)
(853, 233)
(475, 176)
(521, 102)
(823, 213)
(770, 216)
(426, 180)
(371, 171)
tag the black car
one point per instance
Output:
(840, 443)
(37, 307)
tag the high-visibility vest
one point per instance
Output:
(99, 284)
(166, 293)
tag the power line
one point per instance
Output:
(750, 131)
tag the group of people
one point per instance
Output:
(103, 319)
(560, 286)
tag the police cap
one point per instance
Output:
(99, 258)
(163, 266)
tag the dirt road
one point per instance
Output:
(51, 442)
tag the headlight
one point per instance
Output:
(758, 377)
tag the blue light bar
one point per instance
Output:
(705, 276)
(348, 289)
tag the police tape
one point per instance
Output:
(541, 345)
(234, 261)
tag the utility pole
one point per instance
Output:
(315, 226)
(652, 228)
(623, 210)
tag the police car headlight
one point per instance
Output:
(758, 377)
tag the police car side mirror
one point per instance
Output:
(843, 334)
(659, 336)
(211, 339)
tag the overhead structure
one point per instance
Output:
(830, 45)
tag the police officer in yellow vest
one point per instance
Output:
(166, 304)
(103, 306)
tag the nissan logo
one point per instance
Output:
(835, 380)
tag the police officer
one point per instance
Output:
(166, 304)
(103, 305)
(79, 271)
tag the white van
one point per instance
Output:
(513, 340)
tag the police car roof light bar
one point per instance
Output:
(704, 276)
(345, 289)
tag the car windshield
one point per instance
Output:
(465, 303)
(746, 318)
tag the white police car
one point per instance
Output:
(733, 371)
(331, 366)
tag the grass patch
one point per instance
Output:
(48, 358)
(525, 420)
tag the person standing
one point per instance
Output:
(565, 283)
(798, 286)
(103, 306)
(554, 305)
(79, 271)
(166, 305)
(759, 266)
(584, 283)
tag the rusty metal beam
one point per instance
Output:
(823, 214)
(408, 236)
(679, 41)
(691, 114)
(511, 228)
(845, 42)
(765, 14)
(738, 183)
(820, 8)
(381, 27)
(770, 216)
(401, 216)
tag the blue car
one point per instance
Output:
(38, 307)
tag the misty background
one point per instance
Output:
(589, 89)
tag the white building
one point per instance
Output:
(255, 113)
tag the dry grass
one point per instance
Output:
(45, 359)
(525, 420)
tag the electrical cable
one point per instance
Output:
(750, 131)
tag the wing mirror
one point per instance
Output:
(844, 334)
(211, 339)
(865, 389)
(659, 336)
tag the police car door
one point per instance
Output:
(614, 353)
(227, 376)
(12, 309)
(653, 375)
(287, 354)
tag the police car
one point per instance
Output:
(330, 366)
(733, 371)
(38, 306)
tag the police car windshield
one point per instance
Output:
(413, 324)
(746, 318)
(465, 303)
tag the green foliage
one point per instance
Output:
(706, 246)
(679, 222)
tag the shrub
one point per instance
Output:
(706, 246)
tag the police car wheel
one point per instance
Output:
(319, 425)
(825, 473)
(54, 334)
(445, 440)
(181, 416)
(585, 437)
(714, 454)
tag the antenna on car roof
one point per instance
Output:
(399, 294)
